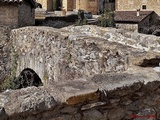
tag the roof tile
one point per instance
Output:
(11, 0)
(131, 16)
(19, 1)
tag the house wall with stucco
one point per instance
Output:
(132, 5)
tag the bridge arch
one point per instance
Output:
(28, 77)
(31, 61)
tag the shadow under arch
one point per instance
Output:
(28, 77)
(154, 62)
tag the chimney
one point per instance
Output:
(138, 12)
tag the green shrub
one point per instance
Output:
(106, 20)
(110, 19)
(13, 82)
(81, 18)
(102, 21)
(9, 83)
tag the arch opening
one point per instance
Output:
(28, 77)
(154, 62)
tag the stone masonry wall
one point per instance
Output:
(26, 15)
(130, 27)
(88, 74)
(128, 103)
(16, 15)
(135, 102)
(5, 53)
(56, 55)
(59, 55)
(9, 14)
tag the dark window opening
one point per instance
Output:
(144, 7)
(140, 30)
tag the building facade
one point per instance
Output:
(46, 4)
(70, 5)
(140, 21)
(87, 5)
(17, 13)
(143, 5)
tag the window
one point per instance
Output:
(144, 7)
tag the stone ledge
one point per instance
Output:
(34, 100)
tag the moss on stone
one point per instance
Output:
(10, 81)
(46, 77)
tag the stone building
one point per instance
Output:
(140, 21)
(70, 5)
(87, 5)
(46, 4)
(93, 6)
(17, 13)
(143, 5)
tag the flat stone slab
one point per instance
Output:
(32, 99)
(106, 82)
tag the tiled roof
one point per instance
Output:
(130, 16)
(32, 2)
(11, 0)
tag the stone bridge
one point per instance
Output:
(60, 55)
(89, 73)
(57, 55)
